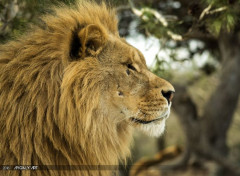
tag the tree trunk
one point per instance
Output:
(207, 135)
(219, 110)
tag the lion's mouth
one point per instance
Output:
(144, 121)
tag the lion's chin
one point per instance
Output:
(154, 129)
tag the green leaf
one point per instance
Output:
(215, 26)
(230, 22)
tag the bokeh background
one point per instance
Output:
(196, 46)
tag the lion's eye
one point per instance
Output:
(130, 66)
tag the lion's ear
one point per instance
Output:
(89, 41)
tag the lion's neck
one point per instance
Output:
(102, 146)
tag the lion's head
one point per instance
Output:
(74, 88)
(130, 93)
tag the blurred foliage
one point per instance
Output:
(226, 17)
(211, 14)
(200, 20)
(15, 15)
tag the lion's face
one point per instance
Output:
(130, 92)
(133, 93)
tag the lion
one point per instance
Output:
(71, 91)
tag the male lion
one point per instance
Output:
(70, 93)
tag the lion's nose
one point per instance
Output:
(168, 95)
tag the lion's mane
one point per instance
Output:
(49, 104)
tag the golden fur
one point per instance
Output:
(70, 92)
